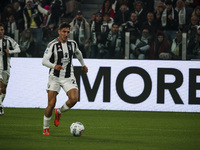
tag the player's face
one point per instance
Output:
(63, 34)
(1, 32)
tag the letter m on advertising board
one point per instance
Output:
(103, 73)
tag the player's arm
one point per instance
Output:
(80, 58)
(46, 60)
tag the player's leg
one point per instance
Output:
(72, 100)
(2, 96)
(70, 87)
(48, 111)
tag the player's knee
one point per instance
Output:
(74, 99)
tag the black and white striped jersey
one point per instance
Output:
(10, 44)
(58, 53)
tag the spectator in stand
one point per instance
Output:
(189, 10)
(80, 31)
(114, 43)
(18, 15)
(196, 12)
(8, 10)
(48, 26)
(182, 15)
(102, 50)
(169, 21)
(131, 25)
(122, 15)
(158, 13)
(176, 47)
(101, 38)
(191, 29)
(133, 39)
(93, 16)
(106, 26)
(151, 25)
(107, 8)
(96, 29)
(142, 46)
(56, 11)
(10, 26)
(107, 23)
(33, 20)
(26, 44)
(160, 48)
(159, 8)
(193, 49)
(141, 12)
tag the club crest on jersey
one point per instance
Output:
(59, 46)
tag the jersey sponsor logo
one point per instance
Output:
(46, 52)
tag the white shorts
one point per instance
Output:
(56, 83)
(4, 77)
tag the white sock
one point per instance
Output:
(46, 122)
(64, 108)
(2, 96)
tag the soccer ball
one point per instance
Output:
(77, 129)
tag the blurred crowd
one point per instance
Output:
(154, 28)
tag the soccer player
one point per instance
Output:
(7, 46)
(58, 57)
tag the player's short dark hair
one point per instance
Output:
(1, 25)
(64, 25)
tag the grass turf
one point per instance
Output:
(21, 128)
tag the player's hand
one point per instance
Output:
(7, 51)
(58, 67)
(85, 69)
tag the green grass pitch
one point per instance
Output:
(21, 129)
